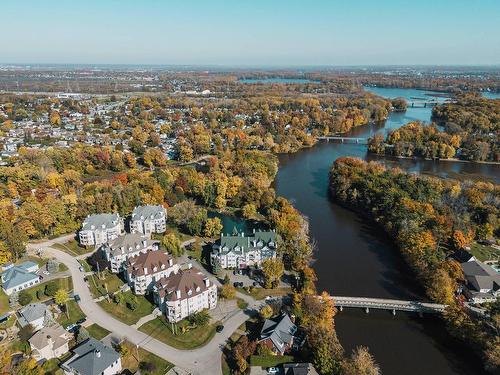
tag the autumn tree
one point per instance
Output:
(172, 244)
(272, 269)
(213, 227)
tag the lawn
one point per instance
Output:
(270, 360)
(242, 304)
(261, 293)
(97, 332)
(72, 247)
(161, 330)
(483, 252)
(75, 314)
(98, 286)
(64, 283)
(4, 302)
(135, 356)
(123, 313)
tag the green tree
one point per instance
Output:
(24, 297)
(266, 312)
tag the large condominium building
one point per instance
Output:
(117, 251)
(240, 251)
(148, 219)
(144, 270)
(100, 228)
(184, 293)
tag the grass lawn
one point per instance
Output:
(131, 361)
(270, 360)
(4, 302)
(97, 286)
(123, 313)
(161, 330)
(64, 283)
(483, 252)
(261, 293)
(97, 332)
(85, 265)
(75, 314)
(72, 247)
(9, 322)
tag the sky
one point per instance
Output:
(251, 32)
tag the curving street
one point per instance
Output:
(204, 360)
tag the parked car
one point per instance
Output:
(46, 272)
(219, 328)
(77, 298)
(273, 370)
(241, 284)
(81, 321)
(254, 283)
(81, 268)
(72, 328)
(236, 284)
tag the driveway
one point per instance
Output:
(204, 360)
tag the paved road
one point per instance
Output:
(204, 360)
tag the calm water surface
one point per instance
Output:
(355, 258)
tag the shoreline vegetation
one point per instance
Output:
(421, 215)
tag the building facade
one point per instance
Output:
(92, 357)
(241, 251)
(118, 250)
(100, 228)
(49, 342)
(144, 270)
(148, 219)
(482, 282)
(19, 277)
(184, 293)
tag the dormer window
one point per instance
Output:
(197, 289)
(190, 292)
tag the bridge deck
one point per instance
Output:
(388, 304)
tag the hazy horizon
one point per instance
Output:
(253, 34)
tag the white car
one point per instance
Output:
(46, 272)
(273, 370)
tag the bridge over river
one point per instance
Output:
(362, 141)
(393, 305)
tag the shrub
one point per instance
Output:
(51, 289)
(25, 298)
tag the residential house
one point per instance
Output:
(144, 270)
(118, 250)
(100, 228)
(92, 357)
(299, 369)
(49, 342)
(18, 277)
(240, 251)
(482, 282)
(278, 334)
(184, 293)
(37, 315)
(148, 219)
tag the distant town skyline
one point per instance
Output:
(257, 33)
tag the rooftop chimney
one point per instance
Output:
(98, 353)
(170, 262)
(207, 282)
(178, 293)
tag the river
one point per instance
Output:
(354, 258)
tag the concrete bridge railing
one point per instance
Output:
(393, 305)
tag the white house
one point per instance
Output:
(240, 251)
(100, 228)
(117, 251)
(482, 282)
(92, 357)
(37, 315)
(18, 277)
(184, 293)
(148, 219)
(144, 270)
(49, 342)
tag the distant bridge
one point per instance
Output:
(422, 104)
(393, 305)
(363, 141)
